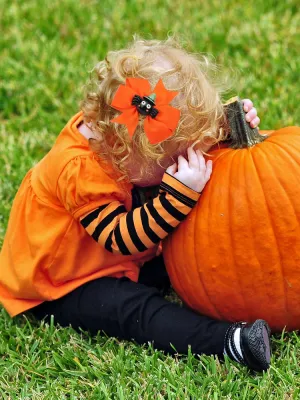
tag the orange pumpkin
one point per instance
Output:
(237, 255)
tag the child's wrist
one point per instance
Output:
(169, 184)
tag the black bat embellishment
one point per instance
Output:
(145, 105)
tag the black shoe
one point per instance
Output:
(254, 342)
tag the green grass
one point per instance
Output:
(47, 51)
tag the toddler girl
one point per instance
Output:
(82, 242)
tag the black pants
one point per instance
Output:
(128, 310)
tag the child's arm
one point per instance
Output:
(136, 231)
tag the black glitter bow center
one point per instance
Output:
(145, 105)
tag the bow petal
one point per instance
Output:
(156, 131)
(169, 116)
(163, 96)
(139, 86)
(123, 98)
(130, 118)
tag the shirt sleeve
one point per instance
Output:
(83, 186)
(135, 231)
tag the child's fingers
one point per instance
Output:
(182, 163)
(251, 114)
(172, 169)
(247, 104)
(208, 170)
(201, 161)
(193, 158)
(255, 122)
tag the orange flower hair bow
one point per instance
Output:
(136, 97)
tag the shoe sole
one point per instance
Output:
(259, 342)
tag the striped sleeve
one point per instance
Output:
(127, 233)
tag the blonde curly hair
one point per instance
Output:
(199, 101)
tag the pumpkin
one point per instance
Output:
(236, 257)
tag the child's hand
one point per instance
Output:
(251, 113)
(194, 173)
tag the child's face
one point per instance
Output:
(152, 179)
(157, 171)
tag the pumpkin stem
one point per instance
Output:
(241, 135)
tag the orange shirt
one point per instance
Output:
(46, 251)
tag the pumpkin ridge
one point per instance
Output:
(284, 151)
(274, 234)
(218, 154)
(231, 210)
(261, 269)
(285, 148)
(215, 299)
(287, 131)
(194, 300)
(182, 243)
(216, 310)
(249, 155)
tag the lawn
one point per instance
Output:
(47, 51)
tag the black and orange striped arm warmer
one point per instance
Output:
(126, 233)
